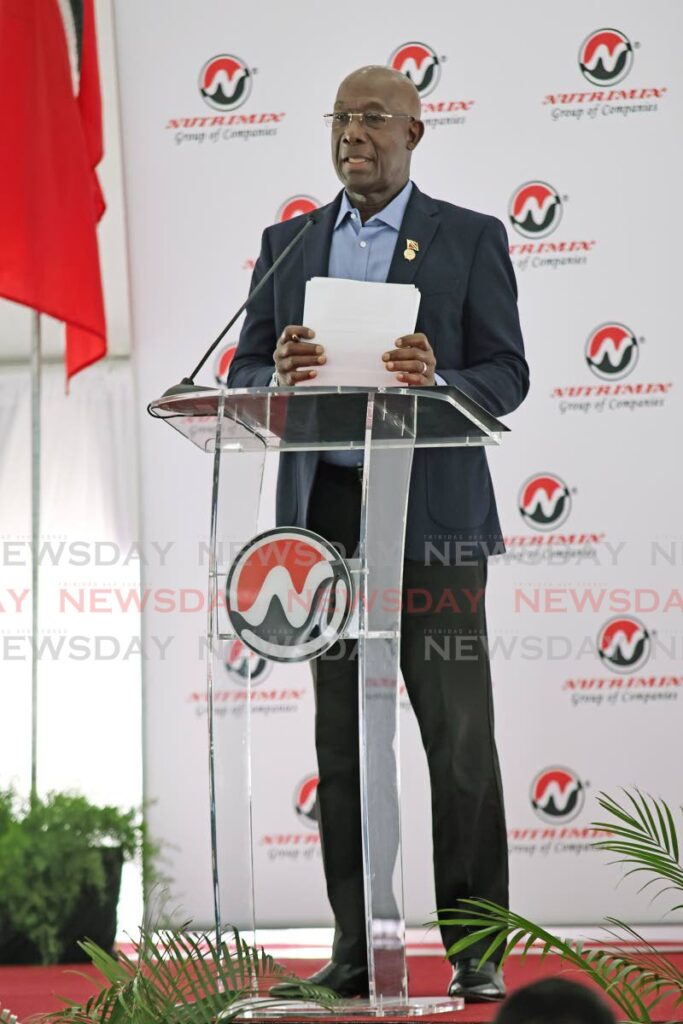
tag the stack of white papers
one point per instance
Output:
(355, 322)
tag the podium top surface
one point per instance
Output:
(324, 418)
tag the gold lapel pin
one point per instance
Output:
(411, 249)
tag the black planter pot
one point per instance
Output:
(94, 917)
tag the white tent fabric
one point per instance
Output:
(89, 719)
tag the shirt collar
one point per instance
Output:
(391, 215)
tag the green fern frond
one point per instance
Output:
(179, 978)
(664, 972)
(644, 836)
(616, 974)
(642, 832)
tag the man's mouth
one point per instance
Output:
(356, 161)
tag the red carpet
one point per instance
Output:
(30, 990)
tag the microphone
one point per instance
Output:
(187, 384)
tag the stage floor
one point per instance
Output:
(30, 990)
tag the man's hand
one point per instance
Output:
(294, 358)
(412, 361)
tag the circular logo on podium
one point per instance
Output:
(535, 209)
(624, 644)
(225, 82)
(612, 351)
(420, 64)
(557, 794)
(606, 56)
(306, 801)
(288, 594)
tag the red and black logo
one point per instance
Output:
(288, 594)
(245, 666)
(306, 801)
(557, 794)
(606, 56)
(222, 364)
(624, 644)
(420, 64)
(297, 206)
(535, 209)
(612, 351)
(544, 501)
(225, 82)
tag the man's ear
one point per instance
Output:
(416, 130)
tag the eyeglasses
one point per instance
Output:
(369, 118)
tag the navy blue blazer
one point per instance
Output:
(468, 311)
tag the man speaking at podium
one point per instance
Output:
(382, 228)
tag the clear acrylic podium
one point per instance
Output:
(386, 425)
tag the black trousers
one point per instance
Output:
(445, 666)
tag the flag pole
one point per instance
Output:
(36, 381)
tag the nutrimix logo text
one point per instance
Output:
(605, 59)
(626, 651)
(646, 690)
(252, 686)
(421, 63)
(535, 210)
(225, 85)
(295, 847)
(611, 353)
(624, 648)
(557, 796)
(545, 503)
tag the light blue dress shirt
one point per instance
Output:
(363, 252)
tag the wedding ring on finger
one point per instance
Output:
(424, 369)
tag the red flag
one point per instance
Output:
(50, 198)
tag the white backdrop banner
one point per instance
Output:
(567, 129)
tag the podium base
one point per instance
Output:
(347, 1009)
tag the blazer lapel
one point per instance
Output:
(420, 223)
(318, 239)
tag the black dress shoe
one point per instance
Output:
(477, 984)
(344, 979)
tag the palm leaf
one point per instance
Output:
(642, 832)
(645, 838)
(630, 983)
(180, 978)
(649, 957)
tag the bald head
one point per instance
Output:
(381, 81)
(372, 156)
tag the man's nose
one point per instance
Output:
(355, 131)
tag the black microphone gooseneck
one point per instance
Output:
(187, 384)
